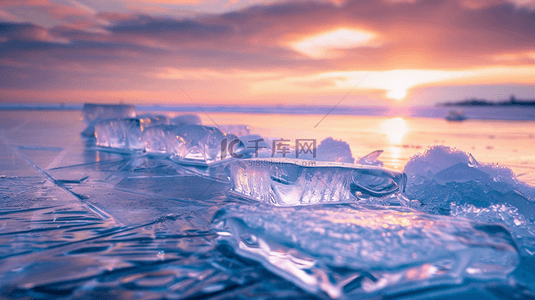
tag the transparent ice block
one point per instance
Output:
(284, 181)
(191, 144)
(124, 134)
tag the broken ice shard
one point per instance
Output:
(237, 130)
(360, 252)
(336, 151)
(186, 120)
(371, 159)
(192, 144)
(284, 181)
(93, 113)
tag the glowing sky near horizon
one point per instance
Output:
(277, 52)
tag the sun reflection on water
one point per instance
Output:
(394, 129)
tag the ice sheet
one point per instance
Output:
(81, 222)
(339, 250)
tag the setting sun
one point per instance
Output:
(394, 129)
(397, 94)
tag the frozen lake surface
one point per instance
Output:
(79, 221)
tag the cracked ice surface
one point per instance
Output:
(295, 182)
(84, 222)
(364, 250)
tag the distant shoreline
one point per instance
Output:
(472, 112)
(477, 102)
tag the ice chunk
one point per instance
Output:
(93, 113)
(192, 144)
(164, 140)
(186, 120)
(122, 134)
(283, 181)
(237, 130)
(149, 120)
(461, 172)
(336, 151)
(442, 175)
(125, 134)
(435, 159)
(371, 159)
(340, 250)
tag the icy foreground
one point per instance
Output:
(359, 250)
(296, 182)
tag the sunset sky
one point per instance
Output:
(381, 52)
